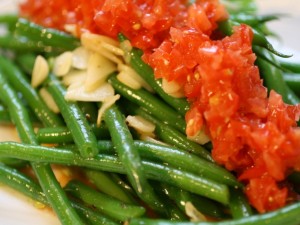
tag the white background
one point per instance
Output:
(15, 209)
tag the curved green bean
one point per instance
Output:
(258, 39)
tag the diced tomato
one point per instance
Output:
(265, 195)
(252, 134)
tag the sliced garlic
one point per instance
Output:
(74, 76)
(193, 213)
(170, 86)
(201, 137)
(129, 81)
(99, 68)
(80, 58)
(140, 124)
(113, 49)
(100, 44)
(77, 92)
(40, 71)
(48, 99)
(125, 69)
(63, 63)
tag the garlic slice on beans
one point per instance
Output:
(48, 99)
(63, 63)
(80, 58)
(77, 92)
(99, 68)
(40, 71)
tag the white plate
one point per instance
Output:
(16, 209)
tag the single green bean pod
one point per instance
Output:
(106, 204)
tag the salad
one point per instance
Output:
(162, 111)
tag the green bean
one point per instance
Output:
(10, 19)
(189, 182)
(293, 81)
(146, 72)
(258, 39)
(22, 44)
(18, 112)
(171, 136)
(92, 216)
(273, 79)
(55, 195)
(129, 156)
(21, 183)
(253, 20)
(43, 171)
(288, 215)
(4, 115)
(26, 62)
(121, 180)
(237, 6)
(204, 205)
(106, 184)
(48, 36)
(15, 163)
(294, 177)
(19, 82)
(180, 159)
(62, 135)
(54, 135)
(83, 137)
(25, 185)
(106, 204)
(101, 131)
(155, 106)
(89, 109)
(174, 212)
(292, 97)
(110, 163)
(293, 67)
(239, 205)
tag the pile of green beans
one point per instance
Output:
(123, 179)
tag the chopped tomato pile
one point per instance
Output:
(253, 134)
